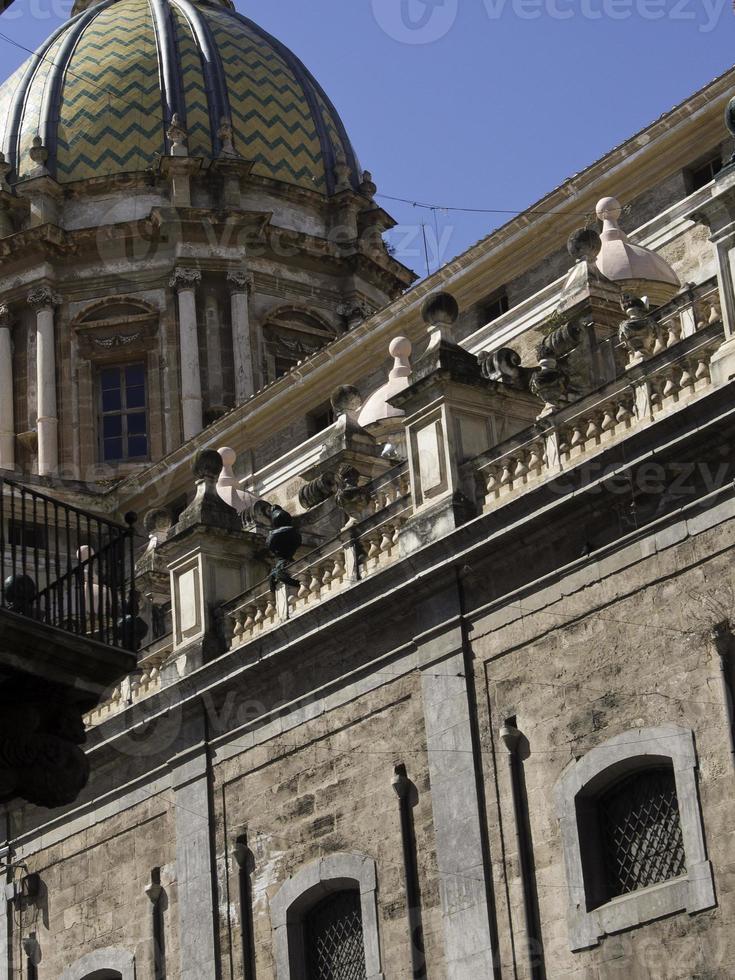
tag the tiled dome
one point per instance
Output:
(102, 90)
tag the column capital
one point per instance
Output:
(240, 282)
(184, 278)
(5, 316)
(43, 297)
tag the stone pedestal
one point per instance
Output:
(210, 560)
(449, 420)
(44, 196)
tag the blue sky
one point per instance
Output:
(478, 103)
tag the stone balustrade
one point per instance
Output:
(358, 552)
(145, 681)
(677, 370)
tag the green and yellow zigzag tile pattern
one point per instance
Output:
(270, 115)
(195, 92)
(31, 122)
(111, 116)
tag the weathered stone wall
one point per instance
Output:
(93, 891)
(323, 788)
(619, 645)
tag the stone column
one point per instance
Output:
(43, 300)
(240, 285)
(7, 424)
(185, 281)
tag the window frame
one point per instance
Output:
(297, 896)
(585, 779)
(292, 323)
(123, 413)
(101, 961)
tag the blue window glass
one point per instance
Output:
(123, 413)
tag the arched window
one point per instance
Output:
(325, 920)
(119, 374)
(632, 833)
(102, 964)
(289, 336)
(333, 938)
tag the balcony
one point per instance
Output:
(68, 631)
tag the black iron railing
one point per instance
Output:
(66, 568)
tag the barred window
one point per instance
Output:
(640, 831)
(334, 938)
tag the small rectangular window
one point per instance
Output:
(702, 173)
(123, 413)
(493, 307)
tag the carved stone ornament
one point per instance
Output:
(342, 172)
(38, 152)
(5, 317)
(185, 279)
(240, 282)
(550, 381)
(43, 297)
(177, 137)
(638, 331)
(368, 187)
(225, 133)
(503, 366)
(352, 499)
(283, 542)
(119, 340)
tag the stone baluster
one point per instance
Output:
(44, 300)
(185, 282)
(7, 424)
(240, 284)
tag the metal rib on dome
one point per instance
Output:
(102, 90)
(214, 76)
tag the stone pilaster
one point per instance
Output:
(185, 282)
(44, 300)
(240, 284)
(7, 424)
(718, 214)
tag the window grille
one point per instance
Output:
(641, 831)
(334, 939)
